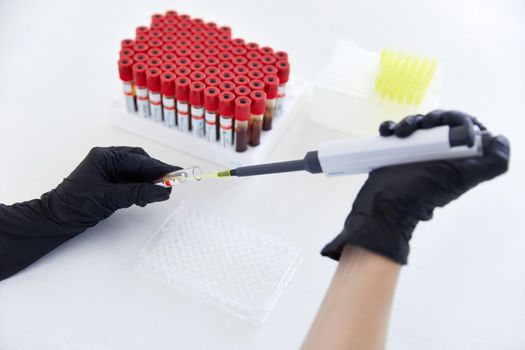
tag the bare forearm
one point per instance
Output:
(355, 311)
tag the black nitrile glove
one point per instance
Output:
(107, 179)
(394, 199)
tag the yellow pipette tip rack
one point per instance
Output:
(404, 78)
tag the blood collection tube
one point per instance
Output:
(211, 71)
(212, 81)
(226, 99)
(127, 44)
(172, 14)
(155, 43)
(169, 29)
(255, 65)
(167, 88)
(139, 77)
(140, 47)
(239, 51)
(169, 38)
(266, 50)
(241, 115)
(241, 70)
(225, 30)
(271, 85)
(211, 106)
(182, 71)
(211, 44)
(225, 56)
(197, 67)
(257, 109)
(269, 70)
(253, 55)
(227, 86)
(252, 47)
(183, 43)
(241, 80)
(239, 60)
(211, 25)
(196, 98)
(197, 76)
(153, 82)
(267, 60)
(255, 75)
(125, 70)
(197, 56)
(211, 34)
(168, 67)
(141, 30)
(226, 75)
(211, 61)
(183, 52)
(154, 62)
(197, 47)
(225, 46)
(238, 42)
(155, 52)
(169, 47)
(182, 62)
(140, 58)
(169, 57)
(226, 66)
(155, 33)
(142, 38)
(183, 33)
(283, 73)
(181, 93)
(197, 38)
(157, 18)
(197, 22)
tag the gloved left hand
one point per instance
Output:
(106, 180)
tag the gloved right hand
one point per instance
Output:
(394, 199)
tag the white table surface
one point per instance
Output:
(464, 285)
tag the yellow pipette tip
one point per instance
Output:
(218, 174)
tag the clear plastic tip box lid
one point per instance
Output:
(233, 268)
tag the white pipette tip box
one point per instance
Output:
(296, 95)
(230, 267)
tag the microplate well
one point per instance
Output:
(228, 266)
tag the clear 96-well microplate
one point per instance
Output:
(228, 266)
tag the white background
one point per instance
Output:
(464, 286)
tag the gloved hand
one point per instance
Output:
(106, 180)
(394, 199)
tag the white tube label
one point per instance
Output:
(197, 121)
(226, 131)
(211, 126)
(127, 87)
(281, 95)
(169, 111)
(156, 107)
(182, 116)
(143, 102)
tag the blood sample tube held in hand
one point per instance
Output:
(153, 81)
(271, 85)
(197, 108)
(241, 115)
(226, 100)
(211, 106)
(167, 88)
(283, 73)
(182, 85)
(139, 77)
(125, 70)
(257, 109)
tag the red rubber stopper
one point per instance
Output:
(182, 85)
(225, 30)
(225, 46)
(197, 56)
(155, 43)
(255, 74)
(226, 75)
(211, 71)
(167, 84)
(156, 34)
(169, 47)
(183, 52)
(242, 91)
(253, 55)
(211, 51)
(154, 62)
(225, 56)
(127, 44)
(227, 86)
(153, 79)
(271, 84)
(155, 52)
(140, 57)
(226, 99)
(142, 38)
(197, 66)
(267, 59)
(283, 71)
(239, 51)
(126, 53)
(281, 55)
(168, 67)
(256, 84)
(238, 42)
(125, 69)
(169, 38)
(242, 108)
(252, 47)
(157, 17)
(141, 30)
(212, 81)
(255, 65)
(258, 102)
(226, 66)
(169, 57)
(197, 76)
(241, 70)
(211, 61)
(241, 80)
(239, 60)
(172, 14)
(197, 93)
(211, 25)
(182, 61)
(266, 50)
(197, 47)
(139, 74)
(269, 70)
(182, 71)
(211, 98)
(140, 47)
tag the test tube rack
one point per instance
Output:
(297, 92)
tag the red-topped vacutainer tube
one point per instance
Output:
(283, 73)
(271, 85)
(226, 118)
(256, 116)
(141, 89)
(125, 70)
(211, 107)
(197, 108)
(241, 115)
(155, 102)
(182, 85)
(167, 89)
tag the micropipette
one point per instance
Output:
(362, 155)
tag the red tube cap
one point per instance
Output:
(241, 80)
(153, 79)
(238, 42)
(169, 38)
(182, 86)
(139, 74)
(156, 33)
(155, 43)
(140, 47)
(256, 84)
(197, 66)
(242, 91)
(169, 47)
(269, 70)
(255, 74)
(211, 71)
(169, 57)
(239, 60)
(197, 93)
(157, 17)
(226, 99)
(239, 51)
(225, 46)
(125, 69)
(242, 108)
(225, 30)
(253, 55)
(182, 71)
(225, 56)
(168, 67)
(211, 98)
(255, 65)
(224, 65)
(226, 75)
(127, 44)
(283, 71)
(258, 102)
(140, 57)
(142, 38)
(280, 55)
(141, 30)
(183, 61)
(126, 53)
(211, 51)
(212, 81)
(211, 61)
(155, 52)
(271, 84)
(197, 47)
(167, 84)
(252, 47)
(197, 56)
(266, 50)
(267, 59)
(183, 52)
(197, 76)
(154, 62)
(227, 86)
(241, 70)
